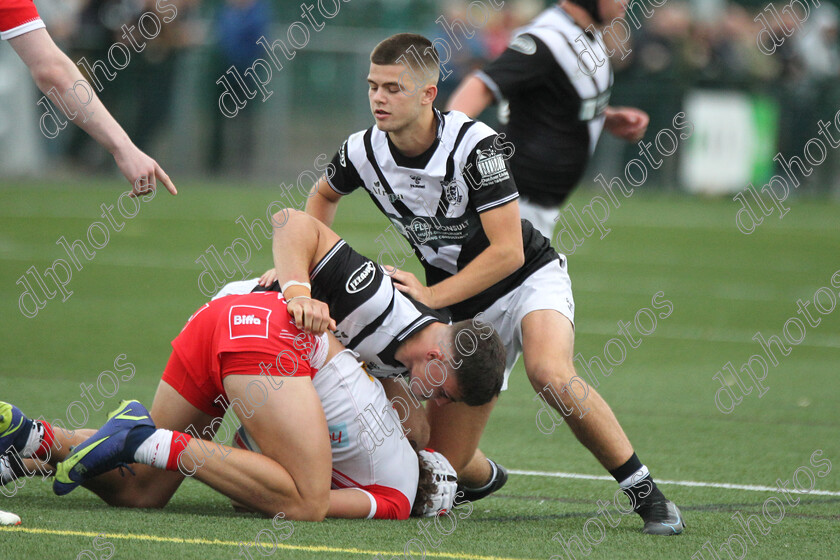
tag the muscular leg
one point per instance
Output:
(291, 475)
(548, 344)
(455, 431)
(293, 472)
(152, 487)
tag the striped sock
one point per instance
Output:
(162, 449)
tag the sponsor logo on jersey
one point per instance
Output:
(338, 435)
(416, 184)
(341, 151)
(379, 191)
(248, 321)
(524, 44)
(420, 228)
(361, 278)
(491, 166)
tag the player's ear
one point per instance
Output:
(430, 92)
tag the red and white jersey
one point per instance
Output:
(18, 17)
(369, 451)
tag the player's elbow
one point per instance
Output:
(51, 73)
(514, 257)
(290, 218)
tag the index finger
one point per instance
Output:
(164, 178)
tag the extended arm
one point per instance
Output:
(504, 256)
(627, 123)
(300, 241)
(51, 68)
(471, 97)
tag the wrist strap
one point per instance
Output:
(288, 301)
(306, 285)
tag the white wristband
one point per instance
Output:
(306, 285)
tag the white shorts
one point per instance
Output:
(548, 288)
(543, 218)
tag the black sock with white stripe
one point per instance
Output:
(490, 481)
(635, 480)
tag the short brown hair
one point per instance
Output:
(479, 365)
(412, 50)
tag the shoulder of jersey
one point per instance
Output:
(352, 148)
(524, 44)
(476, 133)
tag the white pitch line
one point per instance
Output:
(727, 485)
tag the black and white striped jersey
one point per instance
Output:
(434, 199)
(373, 318)
(556, 109)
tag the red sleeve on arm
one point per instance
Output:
(18, 17)
(390, 503)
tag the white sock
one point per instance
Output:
(155, 450)
(634, 478)
(6, 474)
(33, 444)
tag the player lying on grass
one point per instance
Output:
(245, 350)
(394, 335)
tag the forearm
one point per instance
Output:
(349, 503)
(294, 246)
(491, 266)
(54, 72)
(471, 97)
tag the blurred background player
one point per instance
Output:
(557, 99)
(21, 25)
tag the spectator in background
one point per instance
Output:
(818, 52)
(21, 25)
(239, 24)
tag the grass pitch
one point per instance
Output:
(140, 287)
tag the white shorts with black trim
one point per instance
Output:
(548, 288)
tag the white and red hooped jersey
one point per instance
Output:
(369, 451)
(18, 17)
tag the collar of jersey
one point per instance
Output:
(419, 161)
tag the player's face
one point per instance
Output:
(611, 9)
(426, 384)
(393, 103)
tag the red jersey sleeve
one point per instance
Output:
(390, 502)
(18, 17)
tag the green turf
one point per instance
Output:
(135, 295)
